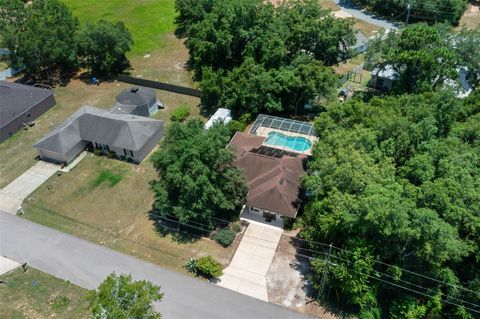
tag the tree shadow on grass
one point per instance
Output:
(182, 234)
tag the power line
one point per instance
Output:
(409, 283)
(294, 254)
(389, 265)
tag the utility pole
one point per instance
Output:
(409, 7)
(325, 273)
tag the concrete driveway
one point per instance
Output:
(12, 196)
(87, 264)
(248, 269)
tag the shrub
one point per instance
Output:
(209, 267)
(191, 266)
(224, 237)
(180, 114)
(236, 227)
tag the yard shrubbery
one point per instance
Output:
(206, 267)
(224, 237)
(180, 114)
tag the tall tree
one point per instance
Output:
(420, 54)
(277, 53)
(45, 41)
(102, 46)
(395, 181)
(119, 297)
(197, 180)
(467, 45)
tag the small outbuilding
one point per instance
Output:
(221, 115)
(137, 100)
(383, 78)
(20, 105)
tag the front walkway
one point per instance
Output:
(12, 196)
(247, 272)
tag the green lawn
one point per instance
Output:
(34, 294)
(107, 201)
(147, 20)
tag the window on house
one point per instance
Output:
(107, 148)
(131, 153)
(255, 209)
(28, 115)
(125, 152)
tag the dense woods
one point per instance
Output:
(252, 57)
(396, 181)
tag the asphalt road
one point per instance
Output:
(86, 264)
(359, 13)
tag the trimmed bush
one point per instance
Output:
(224, 237)
(180, 114)
(209, 267)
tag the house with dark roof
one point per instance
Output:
(20, 105)
(129, 137)
(273, 178)
(137, 100)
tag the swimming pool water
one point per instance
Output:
(296, 143)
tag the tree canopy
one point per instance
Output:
(41, 36)
(197, 180)
(394, 183)
(102, 46)
(253, 57)
(119, 297)
(421, 54)
(426, 10)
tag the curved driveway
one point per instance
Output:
(87, 264)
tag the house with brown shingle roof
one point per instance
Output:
(273, 178)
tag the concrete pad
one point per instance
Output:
(248, 269)
(30, 180)
(7, 265)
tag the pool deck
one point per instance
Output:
(264, 131)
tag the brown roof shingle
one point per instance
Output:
(273, 182)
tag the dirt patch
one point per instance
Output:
(471, 17)
(286, 282)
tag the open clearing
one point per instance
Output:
(147, 20)
(107, 201)
(34, 294)
(471, 17)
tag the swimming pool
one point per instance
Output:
(295, 143)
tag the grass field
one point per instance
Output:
(147, 20)
(34, 294)
(84, 203)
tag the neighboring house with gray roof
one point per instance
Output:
(128, 136)
(137, 100)
(21, 104)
